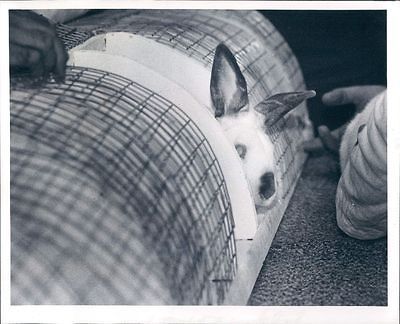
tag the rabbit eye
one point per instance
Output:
(242, 150)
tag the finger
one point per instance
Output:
(50, 60)
(340, 96)
(366, 93)
(357, 95)
(23, 56)
(34, 39)
(338, 133)
(26, 18)
(313, 146)
(61, 60)
(330, 143)
(38, 70)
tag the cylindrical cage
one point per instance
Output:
(263, 55)
(116, 197)
(121, 190)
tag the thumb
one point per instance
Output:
(342, 96)
(357, 95)
(330, 143)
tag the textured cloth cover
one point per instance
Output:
(361, 198)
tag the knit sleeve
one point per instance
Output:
(361, 197)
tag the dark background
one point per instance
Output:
(335, 48)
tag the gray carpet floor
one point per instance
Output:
(311, 262)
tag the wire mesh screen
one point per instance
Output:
(286, 152)
(70, 36)
(116, 198)
(264, 57)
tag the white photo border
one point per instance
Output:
(210, 314)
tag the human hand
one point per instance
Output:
(357, 95)
(35, 49)
(330, 140)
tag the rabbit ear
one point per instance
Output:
(228, 86)
(278, 105)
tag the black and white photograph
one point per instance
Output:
(201, 155)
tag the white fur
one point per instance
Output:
(246, 128)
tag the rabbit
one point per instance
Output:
(247, 127)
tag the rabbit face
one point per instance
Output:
(244, 126)
(245, 131)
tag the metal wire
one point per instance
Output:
(116, 197)
(196, 33)
(103, 166)
(70, 36)
(264, 57)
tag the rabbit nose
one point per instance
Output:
(267, 186)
